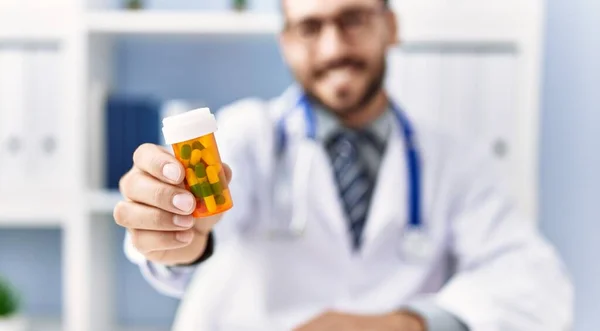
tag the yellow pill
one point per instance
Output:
(207, 141)
(213, 174)
(218, 167)
(191, 177)
(209, 157)
(196, 156)
(211, 204)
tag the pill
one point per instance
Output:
(201, 207)
(207, 141)
(200, 170)
(211, 204)
(213, 174)
(196, 156)
(205, 190)
(222, 178)
(209, 157)
(217, 188)
(196, 190)
(191, 177)
(220, 200)
(186, 152)
(197, 145)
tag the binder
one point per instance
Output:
(47, 150)
(131, 121)
(12, 121)
(500, 118)
(422, 85)
(115, 138)
(460, 106)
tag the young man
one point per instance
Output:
(374, 181)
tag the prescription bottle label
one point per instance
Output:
(204, 173)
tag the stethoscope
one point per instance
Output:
(415, 243)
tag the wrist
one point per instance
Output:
(407, 320)
(205, 244)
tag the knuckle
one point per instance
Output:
(165, 239)
(120, 212)
(125, 184)
(162, 194)
(139, 152)
(156, 218)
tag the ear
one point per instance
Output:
(393, 26)
(284, 46)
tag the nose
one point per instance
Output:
(331, 44)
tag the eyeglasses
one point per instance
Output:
(353, 24)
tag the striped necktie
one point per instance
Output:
(354, 183)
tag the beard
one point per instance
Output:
(374, 86)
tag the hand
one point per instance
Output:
(157, 209)
(333, 321)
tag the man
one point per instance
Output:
(506, 278)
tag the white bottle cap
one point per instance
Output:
(189, 125)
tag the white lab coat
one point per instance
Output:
(505, 277)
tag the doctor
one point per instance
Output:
(348, 215)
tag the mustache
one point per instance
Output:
(339, 63)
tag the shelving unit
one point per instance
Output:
(173, 22)
(85, 38)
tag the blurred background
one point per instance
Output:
(82, 83)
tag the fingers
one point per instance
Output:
(147, 241)
(142, 188)
(138, 216)
(185, 255)
(228, 173)
(158, 163)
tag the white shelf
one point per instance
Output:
(27, 210)
(104, 201)
(39, 25)
(55, 324)
(173, 22)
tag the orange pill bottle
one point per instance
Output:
(191, 135)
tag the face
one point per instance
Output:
(336, 49)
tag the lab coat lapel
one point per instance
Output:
(324, 204)
(389, 200)
(325, 197)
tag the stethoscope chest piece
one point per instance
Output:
(415, 245)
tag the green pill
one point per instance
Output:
(205, 190)
(220, 200)
(197, 145)
(217, 188)
(197, 190)
(200, 170)
(186, 152)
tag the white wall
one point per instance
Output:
(570, 160)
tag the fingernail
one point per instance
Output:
(183, 202)
(183, 221)
(171, 171)
(184, 237)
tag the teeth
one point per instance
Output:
(340, 76)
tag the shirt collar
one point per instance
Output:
(328, 124)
